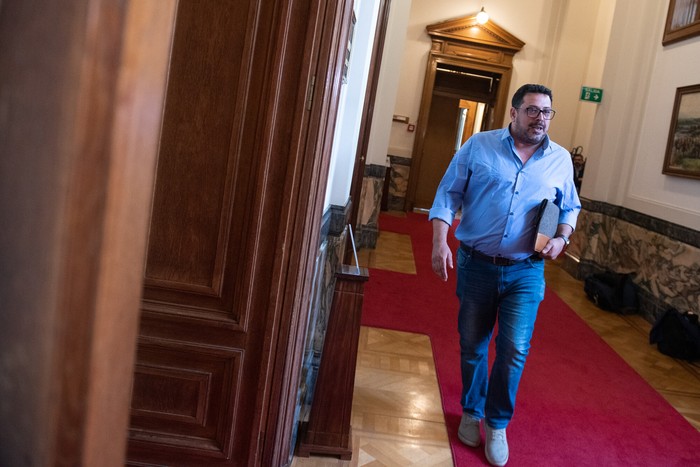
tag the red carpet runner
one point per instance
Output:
(579, 403)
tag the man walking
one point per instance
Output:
(497, 179)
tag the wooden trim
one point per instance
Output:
(327, 25)
(87, 172)
(467, 30)
(673, 164)
(116, 146)
(271, 429)
(89, 119)
(464, 43)
(690, 28)
(135, 133)
(328, 431)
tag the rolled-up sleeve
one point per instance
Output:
(449, 193)
(570, 204)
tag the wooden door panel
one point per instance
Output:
(184, 396)
(194, 200)
(234, 226)
(191, 370)
(438, 148)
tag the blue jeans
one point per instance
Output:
(511, 295)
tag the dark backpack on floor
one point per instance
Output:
(677, 334)
(612, 291)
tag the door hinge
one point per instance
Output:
(310, 93)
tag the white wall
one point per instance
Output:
(632, 127)
(581, 42)
(593, 75)
(350, 107)
(388, 81)
(611, 44)
(561, 41)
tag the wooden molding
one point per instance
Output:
(463, 43)
(468, 31)
(328, 431)
(82, 86)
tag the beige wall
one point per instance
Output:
(632, 127)
(387, 85)
(564, 49)
(610, 44)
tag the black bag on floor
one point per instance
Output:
(612, 291)
(677, 334)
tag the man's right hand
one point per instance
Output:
(442, 255)
(442, 259)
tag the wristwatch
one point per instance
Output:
(565, 238)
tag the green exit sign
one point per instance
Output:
(591, 94)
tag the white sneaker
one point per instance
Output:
(469, 432)
(496, 446)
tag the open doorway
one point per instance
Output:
(465, 91)
(462, 102)
(471, 116)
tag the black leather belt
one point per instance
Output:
(497, 260)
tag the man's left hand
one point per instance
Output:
(554, 247)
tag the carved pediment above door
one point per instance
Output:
(467, 31)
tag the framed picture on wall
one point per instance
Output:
(683, 147)
(682, 21)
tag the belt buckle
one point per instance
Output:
(502, 261)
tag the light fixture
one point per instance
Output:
(482, 17)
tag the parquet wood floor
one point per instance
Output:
(397, 417)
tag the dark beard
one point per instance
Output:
(523, 136)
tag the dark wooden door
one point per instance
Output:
(235, 217)
(438, 147)
(440, 142)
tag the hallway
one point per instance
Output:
(397, 414)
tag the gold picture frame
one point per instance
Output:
(683, 146)
(682, 21)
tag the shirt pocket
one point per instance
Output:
(487, 180)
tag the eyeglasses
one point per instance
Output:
(534, 112)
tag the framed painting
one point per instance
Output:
(683, 146)
(682, 21)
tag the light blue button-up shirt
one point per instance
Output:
(499, 196)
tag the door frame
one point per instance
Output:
(80, 123)
(328, 26)
(463, 42)
(80, 138)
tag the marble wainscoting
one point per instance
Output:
(367, 229)
(398, 182)
(664, 257)
(329, 257)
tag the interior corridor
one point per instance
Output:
(397, 417)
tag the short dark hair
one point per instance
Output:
(529, 89)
